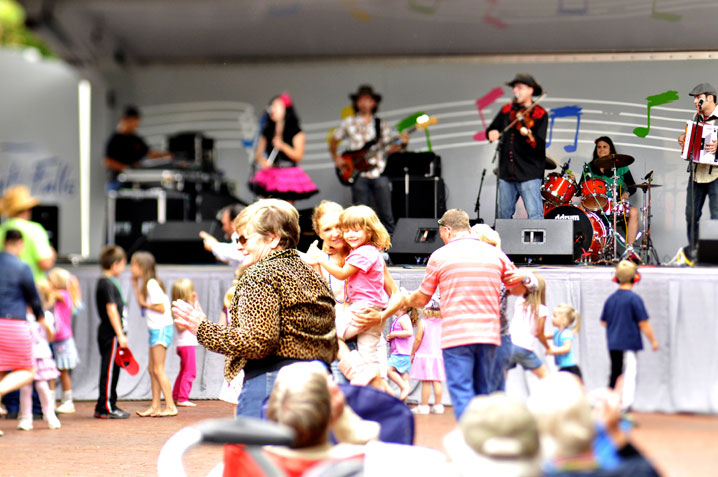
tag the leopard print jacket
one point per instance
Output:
(282, 308)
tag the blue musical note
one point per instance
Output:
(564, 112)
(562, 9)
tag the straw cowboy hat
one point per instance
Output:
(15, 200)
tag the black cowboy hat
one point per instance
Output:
(528, 80)
(365, 89)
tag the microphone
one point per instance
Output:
(648, 176)
(700, 103)
(564, 168)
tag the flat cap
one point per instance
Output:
(703, 88)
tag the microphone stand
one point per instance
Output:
(693, 226)
(477, 207)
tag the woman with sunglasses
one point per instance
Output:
(282, 311)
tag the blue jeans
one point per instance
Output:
(530, 192)
(700, 192)
(501, 365)
(364, 189)
(254, 392)
(468, 373)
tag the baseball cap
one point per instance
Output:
(124, 359)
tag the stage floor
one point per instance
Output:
(682, 302)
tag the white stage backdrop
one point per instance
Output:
(681, 377)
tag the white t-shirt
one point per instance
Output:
(155, 296)
(524, 325)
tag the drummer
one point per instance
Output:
(626, 184)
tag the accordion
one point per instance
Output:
(694, 144)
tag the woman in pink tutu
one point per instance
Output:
(427, 362)
(279, 151)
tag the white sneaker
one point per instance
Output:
(67, 407)
(421, 409)
(25, 424)
(437, 409)
(53, 422)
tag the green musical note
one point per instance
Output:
(671, 17)
(655, 100)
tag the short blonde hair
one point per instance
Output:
(271, 217)
(47, 297)
(321, 209)
(563, 414)
(570, 314)
(626, 271)
(363, 217)
(182, 289)
(455, 219)
(59, 278)
(228, 296)
(300, 400)
(486, 234)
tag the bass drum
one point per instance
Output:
(590, 233)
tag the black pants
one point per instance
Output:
(573, 370)
(616, 366)
(109, 374)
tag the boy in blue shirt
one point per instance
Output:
(625, 317)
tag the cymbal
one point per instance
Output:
(551, 163)
(645, 185)
(614, 160)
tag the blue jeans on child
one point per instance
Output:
(469, 371)
(530, 192)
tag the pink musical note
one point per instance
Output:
(481, 104)
(490, 18)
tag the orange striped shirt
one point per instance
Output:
(468, 274)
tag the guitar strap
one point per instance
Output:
(377, 129)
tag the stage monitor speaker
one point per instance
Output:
(708, 242)
(426, 197)
(179, 241)
(414, 240)
(49, 217)
(533, 241)
(422, 164)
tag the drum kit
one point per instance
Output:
(596, 237)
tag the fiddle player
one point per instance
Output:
(523, 149)
(704, 182)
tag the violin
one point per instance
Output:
(523, 122)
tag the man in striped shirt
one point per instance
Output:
(468, 274)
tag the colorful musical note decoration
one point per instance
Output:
(490, 18)
(671, 17)
(564, 112)
(482, 103)
(424, 7)
(655, 100)
(572, 10)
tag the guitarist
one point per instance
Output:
(361, 129)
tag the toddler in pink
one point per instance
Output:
(183, 289)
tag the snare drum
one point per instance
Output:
(621, 208)
(590, 233)
(595, 194)
(557, 189)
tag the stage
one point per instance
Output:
(682, 376)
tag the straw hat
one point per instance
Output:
(15, 200)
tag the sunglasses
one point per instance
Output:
(440, 224)
(241, 239)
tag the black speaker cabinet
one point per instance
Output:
(537, 241)
(708, 242)
(414, 240)
(179, 241)
(418, 197)
(49, 217)
(306, 230)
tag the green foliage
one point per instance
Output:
(13, 31)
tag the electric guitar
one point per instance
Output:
(359, 160)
